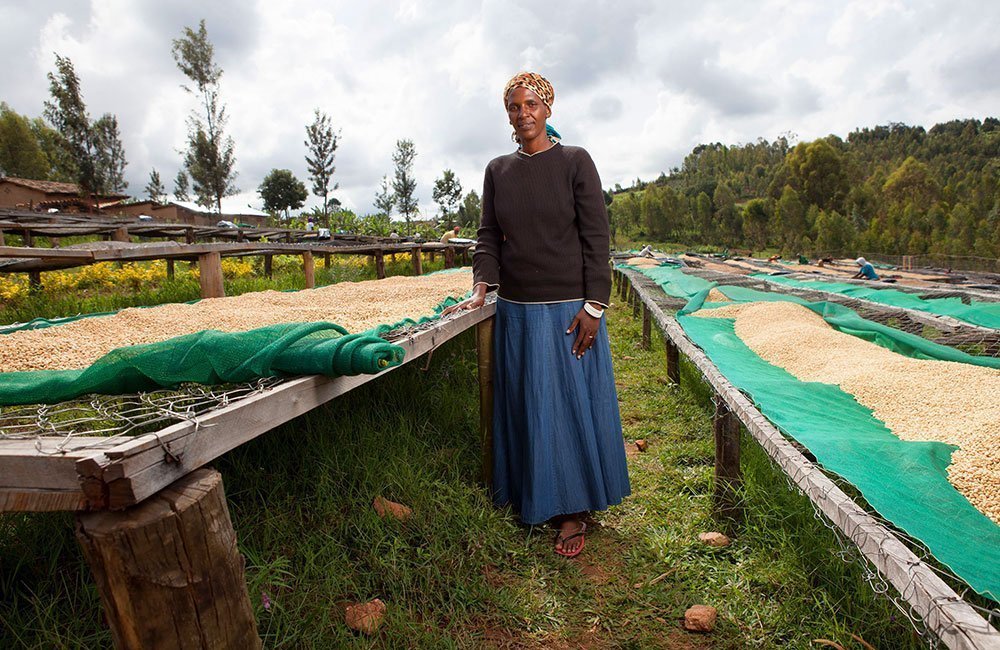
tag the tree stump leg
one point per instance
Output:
(269, 266)
(29, 239)
(170, 269)
(431, 256)
(168, 570)
(379, 265)
(636, 302)
(210, 275)
(2, 239)
(34, 281)
(418, 263)
(309, 269)
(326, 260)
(484, 353)
(449, 258)
(728, 479)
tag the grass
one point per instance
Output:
(462, 574)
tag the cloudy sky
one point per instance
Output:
(638, 83)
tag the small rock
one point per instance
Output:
(628, 358)
(365, 617)
(700, 618)
(715, 539)
(641, 445)
(386, 508)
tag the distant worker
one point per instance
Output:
(448, 236)
(867, 270)
(393, 234)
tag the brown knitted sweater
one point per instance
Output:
(544, 230)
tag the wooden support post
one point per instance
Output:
(170, 269)
(240, 235)
(673, 363)
(269, 266)
(647, 328)
(465, 256)
(309, 269)
(326, 260)
(379, 264)
(1, 239)
(728, 479)
(34, 281)
(168, 570)
(484, 352)
(449, 257)
(210, 272)
(120, 234)
(418, 261)
(29, 239)
(189, 235)
(636, 302)
(431, 256)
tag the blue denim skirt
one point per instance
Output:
(557, 433)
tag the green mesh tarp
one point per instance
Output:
(906, 482)
(978, 312)
(212, 357)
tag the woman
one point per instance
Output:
(543, 243)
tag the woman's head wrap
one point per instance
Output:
(539, 85)
(536, 83)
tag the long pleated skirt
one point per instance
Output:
(557, 434)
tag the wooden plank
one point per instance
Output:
(210, 275)
(418, 263)
(484, 366)
(956, 623)
(309, 269)
(139, 468)
(46, 253)
(728, 479)
(41, 500)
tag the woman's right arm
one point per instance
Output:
(486, 259)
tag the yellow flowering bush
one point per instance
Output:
(237, 267)
(12, 288)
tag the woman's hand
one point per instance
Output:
(587, 327)
(477, 299)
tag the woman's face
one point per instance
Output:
(527, 114)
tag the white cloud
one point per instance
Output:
(639, 83)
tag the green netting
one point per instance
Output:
(212, 357)
(673, 280)
(984, 314)
(906, 482)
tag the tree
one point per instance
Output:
(447, 193)
(209, 158)
(181, 186)
(790, 216)
(68, 114)
(322, 145)
(154, 188)
(471, 210)
(912, 182)
(404, 185)
(20, 153)
(109, 154)
(60, 161)
(280, 190)
(817, 171)
(727, 219)
(756, 214)
(385, 200)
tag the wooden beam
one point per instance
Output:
(210, 275)
(309, 269)
(728, 479)
(418, 264)
(169, 572)
(133, 471)
(379, 264)
(647, 327)
(484, 356)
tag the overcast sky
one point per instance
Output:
(638, 83)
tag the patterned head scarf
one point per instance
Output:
(539, 85)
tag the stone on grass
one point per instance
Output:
(641, 445)
(715, 539)
(386, 508)
(365, 617)
(700, 618)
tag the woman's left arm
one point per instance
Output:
(595, 242)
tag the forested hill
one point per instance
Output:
(892, 189)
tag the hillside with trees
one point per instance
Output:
(893, 189)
